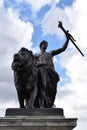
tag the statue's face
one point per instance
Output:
(44, 46)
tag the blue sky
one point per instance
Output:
(26, 23)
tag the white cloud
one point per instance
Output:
(15, 29)
(1, 2)
(75, 64)
(50, 21)
(14, 33)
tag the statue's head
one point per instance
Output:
(43, 44)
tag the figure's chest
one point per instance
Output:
(45, 58)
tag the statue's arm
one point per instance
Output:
(62, 49)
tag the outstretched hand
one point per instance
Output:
(68, 35)
(60, 25)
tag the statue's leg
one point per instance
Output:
(42, 96)
(41, 101)
(31, 101)
(20, 98)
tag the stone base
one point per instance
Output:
(37, 121)
(34, 112)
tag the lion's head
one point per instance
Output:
(22, 58)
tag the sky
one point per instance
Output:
(25, 23)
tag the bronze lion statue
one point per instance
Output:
(25, 84)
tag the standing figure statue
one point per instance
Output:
(35, 76)
(48, 76)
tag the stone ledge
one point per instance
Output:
(40, 121)
(34, 112)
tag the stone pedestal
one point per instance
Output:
(36, 119)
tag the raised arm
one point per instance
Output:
(63, 48)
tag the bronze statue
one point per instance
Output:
(35, 77)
